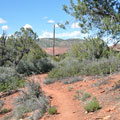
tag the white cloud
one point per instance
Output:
(75, 25)
(56, 25)
(67, 34)
(27, 26)
(46, 35)
(74, 34)
(4, 27)
(51, 21)
(2, 21)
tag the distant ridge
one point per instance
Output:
(48, 42)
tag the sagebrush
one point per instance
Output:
(31, 100)
(10, 79)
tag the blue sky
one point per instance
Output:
(38, 14)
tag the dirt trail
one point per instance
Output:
(61, 98)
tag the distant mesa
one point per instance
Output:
(48, 42)
(61, 45)
(58, 51)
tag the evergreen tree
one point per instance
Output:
(103, 15)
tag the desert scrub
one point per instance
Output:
(92, 105)
(100, 82)
(31, 100)
(70, 88)
(1, 103)
(71, 67)
(78, 94)
(91, 48)
(116, 85)
(35, 66)
(85, 96)
(66, 68)
(4, 110)
(10, 79)
(48, 81)
(81, 95)
(52, 110)
(76, 97)
(71, 80)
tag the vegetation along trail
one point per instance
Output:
(61, 98)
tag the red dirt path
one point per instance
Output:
(67, 109)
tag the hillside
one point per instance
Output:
(48, 42)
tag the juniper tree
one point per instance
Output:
(17, 46)
(102, 15)
(20, 43)
(4, 56)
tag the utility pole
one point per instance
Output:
(53, 41)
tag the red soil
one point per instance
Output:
(71, 109)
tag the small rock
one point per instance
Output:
(110, 109)
(102, 91)
(107, 117)
(86, 112)
(50, 97)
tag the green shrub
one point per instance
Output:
(70, 88)
(78, 94)
(66, 68)
(22, 45)
(71, 80)
(48, 81)
(61, 57)
(34, 67)
(4, 110)
(92, 105)
(81, 95)
(31, 100)
(52, 110)
(85, 96)
(100, 82)
(116, 85)
(67, 80)
(90, 49)
(10, 79)
(71, 67)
